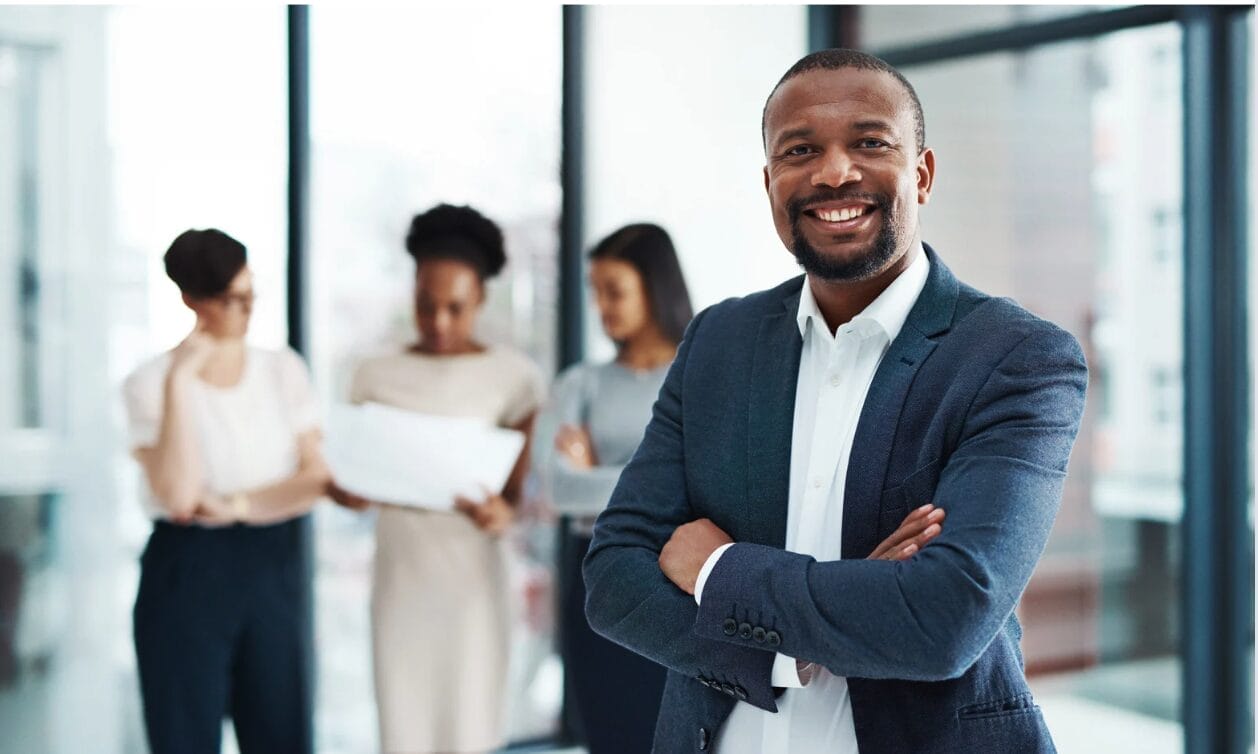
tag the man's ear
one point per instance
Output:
(925, 175)
(766, 180)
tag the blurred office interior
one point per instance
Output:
(1094, 163)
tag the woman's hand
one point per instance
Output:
(345, 498)
(492, 516)
(193, 352)
(574, 443)
(213, 511)
(918, 528)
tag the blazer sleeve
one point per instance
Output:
(931, 617)
(628, 598)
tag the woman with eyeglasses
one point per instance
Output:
(228, 438)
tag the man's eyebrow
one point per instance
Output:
(873, 125)
(802, 132)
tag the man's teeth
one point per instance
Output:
(840, 215)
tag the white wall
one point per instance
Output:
(673, 101)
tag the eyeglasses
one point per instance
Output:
(244, 300)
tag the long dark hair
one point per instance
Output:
(650, 250)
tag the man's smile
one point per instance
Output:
(844, 217)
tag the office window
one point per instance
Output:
(1050, 165)
(411, 107)
(673, 101)
(886, 26)
(119, 128)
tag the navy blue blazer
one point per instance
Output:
(974, 407)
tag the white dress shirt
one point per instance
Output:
(247, 433)
(835, 371)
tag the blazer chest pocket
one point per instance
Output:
(915, 490)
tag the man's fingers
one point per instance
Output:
(912, 525)
(930, 533)
(919, 527)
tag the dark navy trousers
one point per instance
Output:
(616, 692)
(222, 629)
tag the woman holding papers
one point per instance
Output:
(228, 438)
(591, 428)
(440, 617)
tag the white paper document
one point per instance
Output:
(402, 457)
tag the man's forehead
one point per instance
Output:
(843, 92)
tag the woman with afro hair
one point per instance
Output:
(440, 600)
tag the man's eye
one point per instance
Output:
(872, 143)
(799, 149)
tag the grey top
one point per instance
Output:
(614, 403)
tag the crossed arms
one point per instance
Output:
(925, 618)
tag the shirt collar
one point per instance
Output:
(887, 313)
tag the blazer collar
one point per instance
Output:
(930, 316)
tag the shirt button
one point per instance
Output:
(816, 483)
(835, 380)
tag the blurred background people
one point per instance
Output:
(589, 431)
(228, 438)
(440, 606)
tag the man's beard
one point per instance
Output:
(866, 264)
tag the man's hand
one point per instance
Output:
(688, 549)
(690, 546)
(918, 528)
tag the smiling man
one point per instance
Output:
(756, 545)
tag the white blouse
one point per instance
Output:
(247, 432)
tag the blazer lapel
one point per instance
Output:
(771, 421)
(875, 430)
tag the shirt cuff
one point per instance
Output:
(786, 673)
(706, 570)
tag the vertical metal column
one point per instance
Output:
(298, 170)
(1218, 557)
(572, 180)
(298, 209)
(571, 298)
(833, 26)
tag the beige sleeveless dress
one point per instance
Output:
(440, 604)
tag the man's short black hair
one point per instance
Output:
(458, 233)
(203, 262)
(839, 58)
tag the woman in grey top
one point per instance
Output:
(590, 430)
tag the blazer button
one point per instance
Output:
(740, 692)
(744, 630)
(773, 639)
(758, 633)
(704, 739)
(728, 688)
(730, 626)
(702, 680)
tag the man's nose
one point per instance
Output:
(836, 169)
